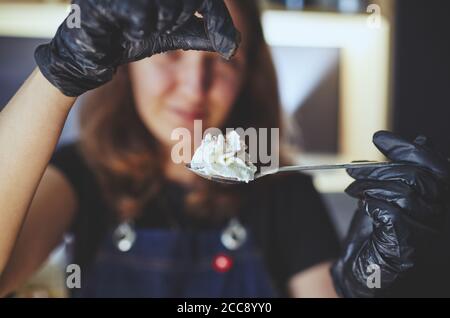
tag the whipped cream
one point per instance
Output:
(225, 157)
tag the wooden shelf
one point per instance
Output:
(364, 69)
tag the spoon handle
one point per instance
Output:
(353, 165)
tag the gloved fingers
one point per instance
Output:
(178, 17)
(139, 18)
(418, 152)
(187, 12)
(191, 37)
(360, 228)
(93, 18)
(423, 181)
(392, 239)
(221, 31)
(168, 13)
(391, 224)
(400, 195)
(134, 20)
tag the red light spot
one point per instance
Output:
(222, 263)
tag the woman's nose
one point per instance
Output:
(195, 77)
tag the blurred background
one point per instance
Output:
(346, 69)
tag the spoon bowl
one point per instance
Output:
(215, 178)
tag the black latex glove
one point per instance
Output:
(401, 210)
(116, 32)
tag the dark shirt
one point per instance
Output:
(287, 217)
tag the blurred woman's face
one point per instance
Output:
(174, 89)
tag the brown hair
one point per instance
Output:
(125, 156)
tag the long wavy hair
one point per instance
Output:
(126, 158)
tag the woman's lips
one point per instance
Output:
(188, 115)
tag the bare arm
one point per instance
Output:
(49, 217)
(315, 282)
(30, 126)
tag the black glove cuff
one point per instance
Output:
(66, 75)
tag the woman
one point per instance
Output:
(145, 226)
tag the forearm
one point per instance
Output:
(30, 126)
(315, 282)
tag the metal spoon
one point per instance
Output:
(353, 165)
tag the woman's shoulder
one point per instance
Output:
(69, 160)
(68, 150)
(68, 156)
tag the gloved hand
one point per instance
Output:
(401, 210)
(116, 32)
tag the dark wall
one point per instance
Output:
(16, 64)
(422, 70)
(422, 105)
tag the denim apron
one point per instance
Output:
(179, 264)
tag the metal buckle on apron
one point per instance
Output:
(124, 236)
(234, 236)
